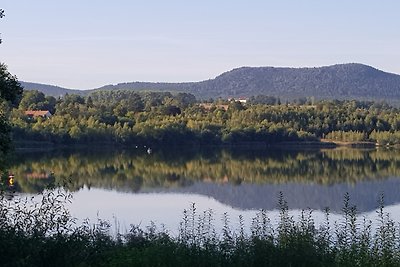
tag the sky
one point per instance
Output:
(84, 44)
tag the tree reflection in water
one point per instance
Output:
(135, 171)
(244, 179)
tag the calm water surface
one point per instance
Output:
(137, 187)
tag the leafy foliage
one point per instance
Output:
(10, 95)
(10, 89)
(150, 118)
(5, 140)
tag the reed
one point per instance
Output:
(43, 233)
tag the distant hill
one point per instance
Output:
(339, 81)
(50, 89)
(343, 81)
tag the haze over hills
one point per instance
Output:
(342, 81)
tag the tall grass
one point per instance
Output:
(43, 233)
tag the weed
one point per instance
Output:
(41, 232)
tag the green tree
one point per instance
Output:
(184, 99)
(4, 134)
(235, 106)
(32, 100)
(10, 95)
(10, 88)
(120, 110)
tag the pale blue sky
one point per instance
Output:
(85, 43)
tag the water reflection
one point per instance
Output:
(7, 181)
(241, 179)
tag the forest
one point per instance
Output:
(166, 119)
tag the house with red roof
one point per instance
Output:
(38, 113)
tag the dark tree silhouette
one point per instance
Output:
(10, 95)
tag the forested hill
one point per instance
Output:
(343, 81)
(338, 81)
(51, 89)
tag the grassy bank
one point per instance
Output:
(44, 234)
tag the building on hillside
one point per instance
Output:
(242, 100)
(38, 113)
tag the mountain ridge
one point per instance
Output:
(340, 81)
(48, 89)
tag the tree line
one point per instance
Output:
(163, 118)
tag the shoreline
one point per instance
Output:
(32, 146)
(353, 144)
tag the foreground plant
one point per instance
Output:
(40, 231)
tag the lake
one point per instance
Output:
(137, 187)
